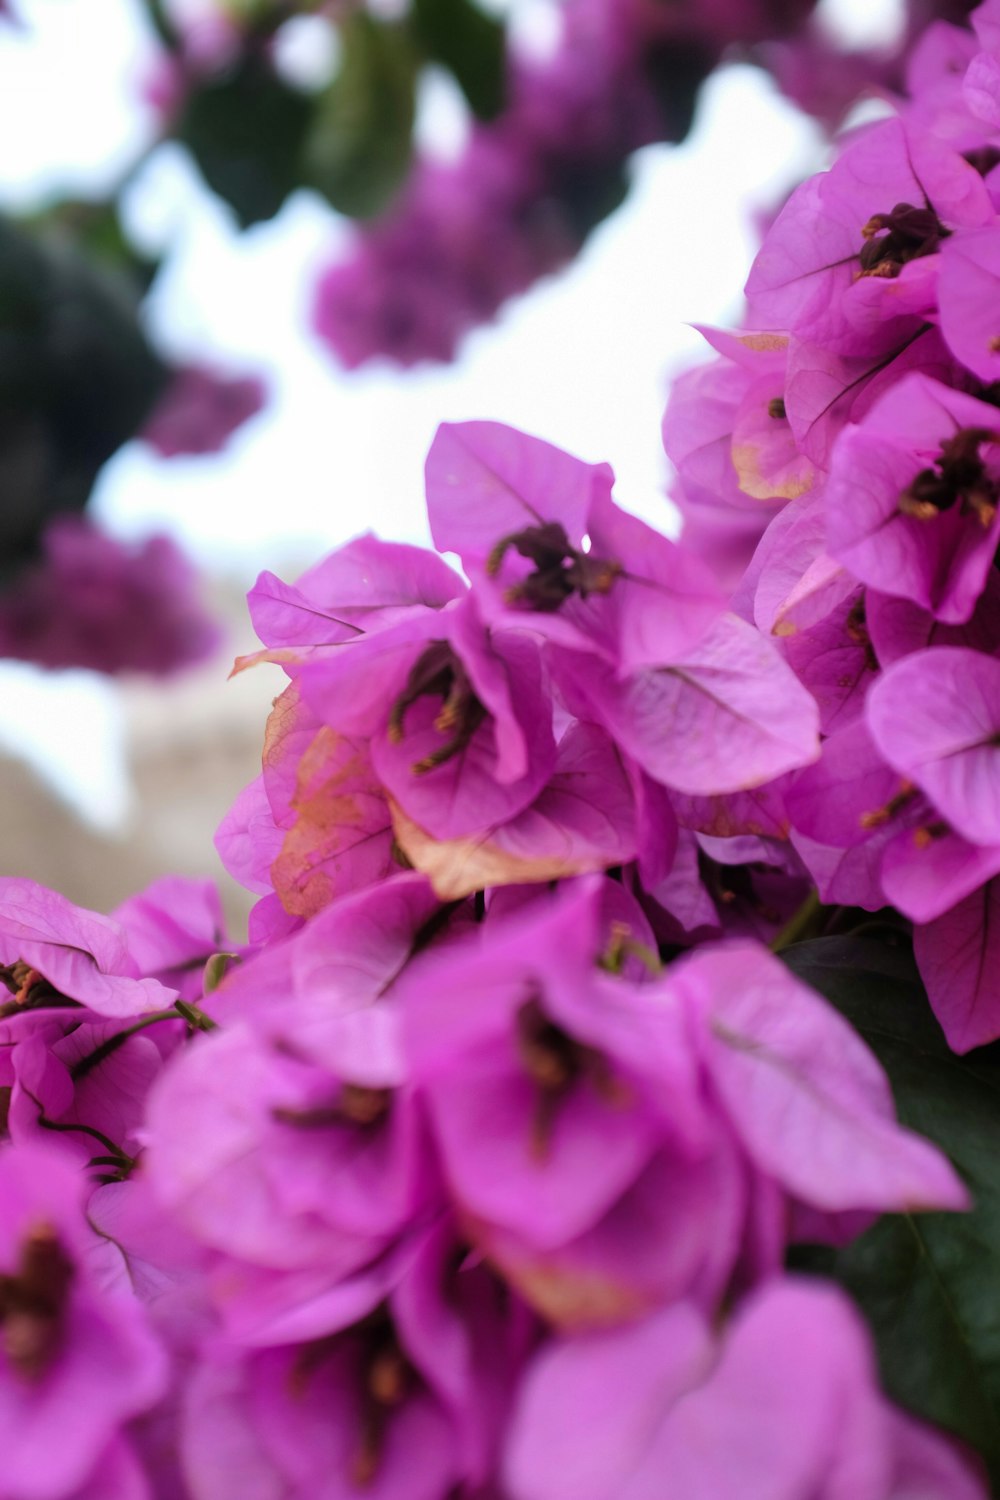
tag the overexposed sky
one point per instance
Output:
(583, 360)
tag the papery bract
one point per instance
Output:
(811, 1104)
(81, 954)
(935, 717)
(737, 714)
(76, 1363)
(956, 955)
(912, 497)
(785, 1405)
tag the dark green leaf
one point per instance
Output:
(675, 70)
(929, 1284)
(95, 229)
(471, 45)
(77, 379)
(246, 130)
(359, 147)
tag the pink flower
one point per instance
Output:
(94, 602)
(49, 945)
(545, 545)
(912, 500)
(784, 1404)
(200, 410)
(76, 1362)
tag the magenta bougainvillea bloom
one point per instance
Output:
(76, 1362)
(421, 725)
(490, 1165)
(540, 536)
(404, 1397)
(200, 410)
(91, 601)
(912, 497)
(569, 1057)
(460, 731)
(784, 1404)
(48, 947)
(935, 717)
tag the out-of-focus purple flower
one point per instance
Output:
(289, 1143)
(785, 1403)
(200, 410)
(76, 1362)
(172, 928)
(556, 1143)
(544, 1077)
(293, 1175)
(824, 80)
(463, 237)
(403, 1398)
(94, 602)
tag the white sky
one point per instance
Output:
(583, 360)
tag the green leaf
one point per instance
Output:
(471, 45)
(94, 229)
(675, 69)
(77, 378)
(359, 147)
(246, 130)
(929, 1285)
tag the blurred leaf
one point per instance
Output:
(588, 194)
(471, 45)
(77, 379)
(359, 149)
(246, 131)
(928, 1284)
(95, 229)
(675, 70)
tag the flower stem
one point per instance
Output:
(798, 924)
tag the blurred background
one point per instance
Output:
(167, 240)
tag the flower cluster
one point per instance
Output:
(466, 236)
(463, 237)
(476, 1172)
(200, 410)
(840, 461)
(91, 601)
(481, 1170)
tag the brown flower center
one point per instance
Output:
(354, 1105)
(555, 1061)
(385, 1377)
(958, 476)
(560, 570)
(33, 1302)
(438, 673)
(892, 240)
